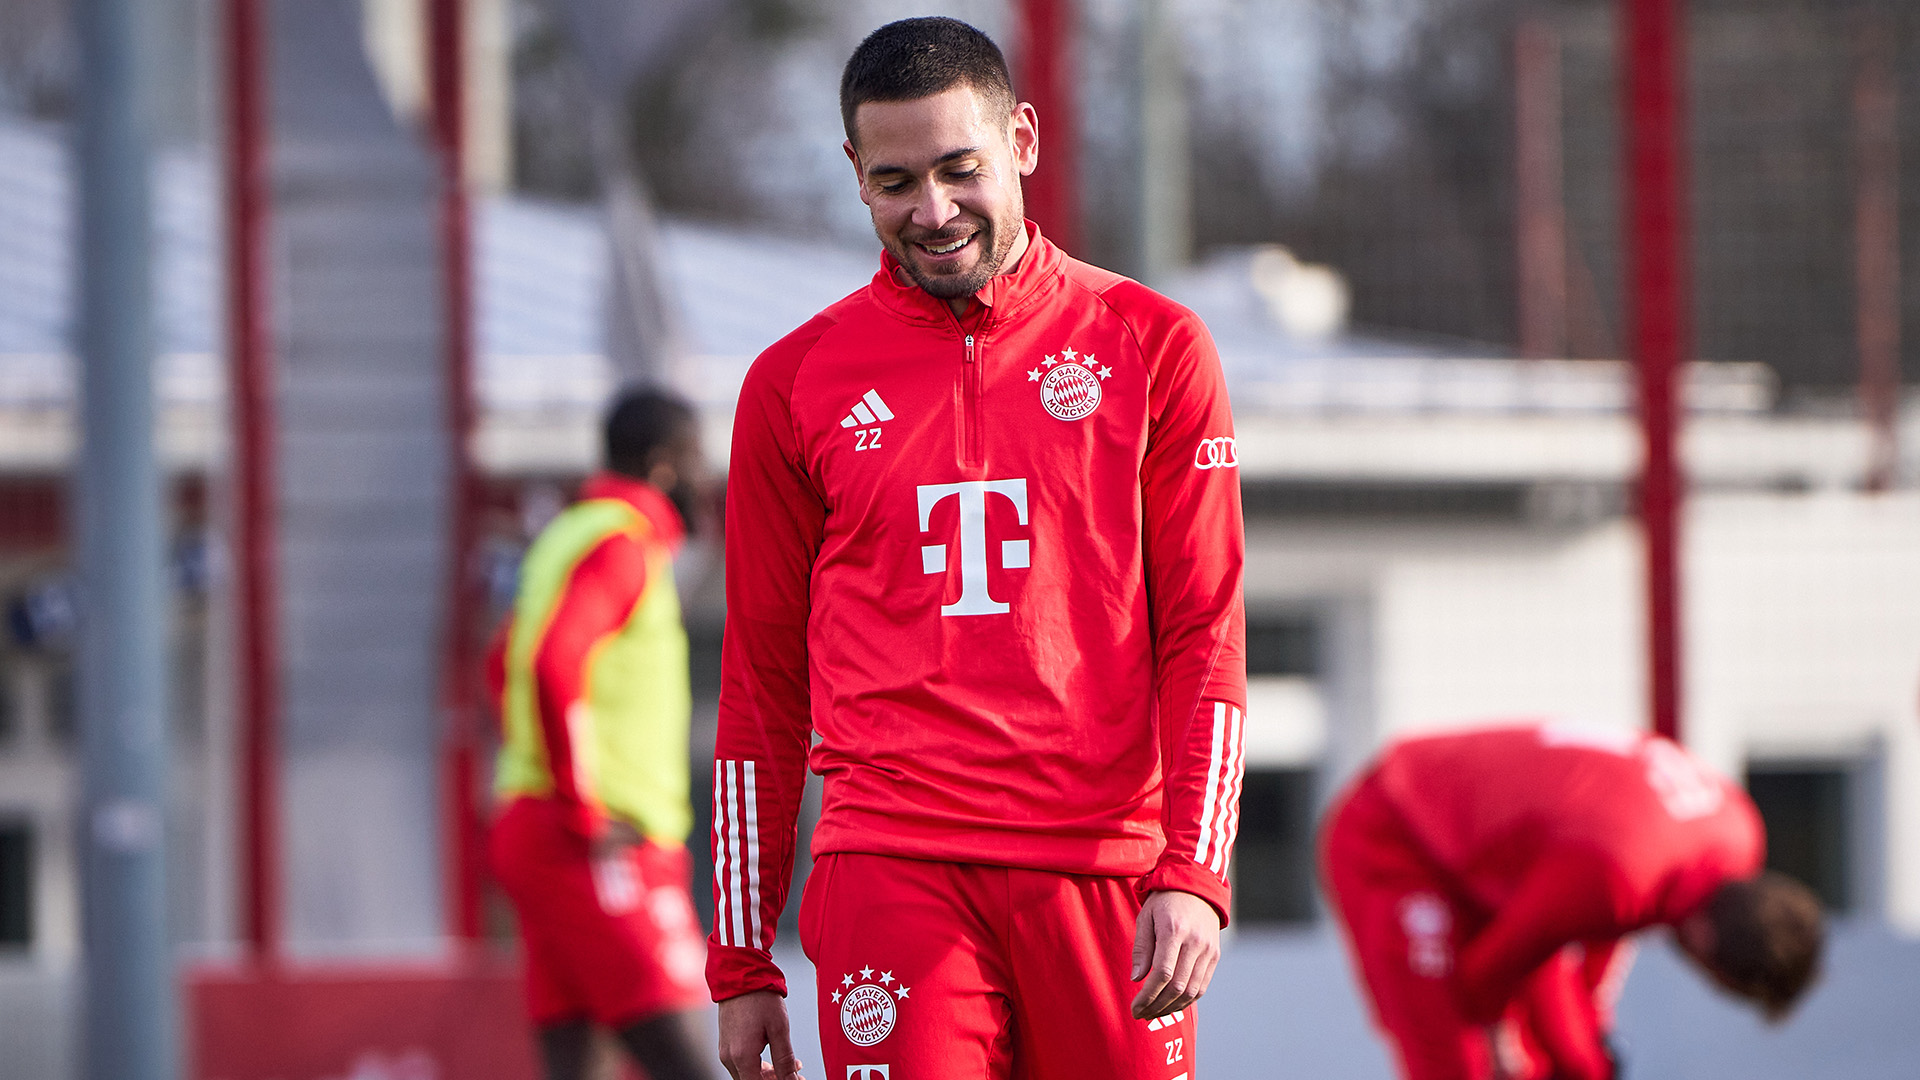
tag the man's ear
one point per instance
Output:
(859, 175)
(1024, 135)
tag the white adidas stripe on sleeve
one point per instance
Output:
(720, 852)
(1235, 782)
(724, 860)
(1226, 767)
(736, 869)
(737, 885)
(752, 806)
(1214, 764)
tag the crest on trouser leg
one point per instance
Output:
(869, 1005)
(1428, 924)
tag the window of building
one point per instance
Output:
(1273, 857)
(16, 884)
(1285, 739)
(1807, 810)
(1281, 644)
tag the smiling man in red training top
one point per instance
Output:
(975, 546)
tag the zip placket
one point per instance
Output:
(970, 405)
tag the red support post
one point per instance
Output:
(1653, 60)
(459, 675)
(1045, 79)
(250, 362)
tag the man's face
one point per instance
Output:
(941, 176)
(1695, 936)
(688, 488)
(677, 470)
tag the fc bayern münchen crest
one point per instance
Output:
(867, 1010)
(1070, 388)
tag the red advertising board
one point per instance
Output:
(428, 1022)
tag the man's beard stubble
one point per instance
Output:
(954, 286)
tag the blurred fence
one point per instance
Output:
(1434, 124)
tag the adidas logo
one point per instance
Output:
(868, 410)
(1166, 1021)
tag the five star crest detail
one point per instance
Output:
(1070, 383)
(868, 1007)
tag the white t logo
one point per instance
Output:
(1014, 554)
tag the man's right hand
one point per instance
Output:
(616, 838)
(749, 1024)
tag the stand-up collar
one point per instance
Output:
(1038, 273)
(642, 496)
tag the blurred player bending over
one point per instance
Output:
(591, 674)
(1485, 880)
(978, 546)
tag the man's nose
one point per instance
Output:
(934, 209)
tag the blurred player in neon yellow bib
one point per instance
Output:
(592, 682)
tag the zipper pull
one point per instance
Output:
(969, 348)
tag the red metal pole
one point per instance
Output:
(250, 360)
(446, 39)
(1876, 242)
(1658, 285)
(1045, 80)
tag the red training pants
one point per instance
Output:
(930, 970)
(1405, 927)
(1403, 931)
(613, 942)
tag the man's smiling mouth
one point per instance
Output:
(949, 248)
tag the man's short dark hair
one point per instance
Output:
(643, 422)
(918, 58)
(1768, 934)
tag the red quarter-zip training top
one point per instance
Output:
(986, 574)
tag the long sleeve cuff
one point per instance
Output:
(1184, 875)
(732, 971)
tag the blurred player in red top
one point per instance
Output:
(984, 560)
(590, 674)
(1486, 879)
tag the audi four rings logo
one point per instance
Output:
(1218, 453)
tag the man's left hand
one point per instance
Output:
(615, 882)
(1176, 945)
